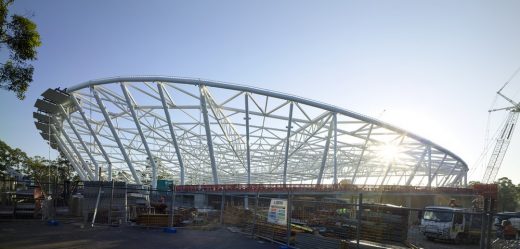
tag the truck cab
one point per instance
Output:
(450, 223)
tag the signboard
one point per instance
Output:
(277, 212)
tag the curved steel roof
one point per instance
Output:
(200, 131)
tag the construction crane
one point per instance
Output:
(504, 137)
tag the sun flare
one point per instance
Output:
(389, 152)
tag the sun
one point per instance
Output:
(389, 152)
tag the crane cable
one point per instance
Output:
(489, 143)
(510, 78)
(480, 162)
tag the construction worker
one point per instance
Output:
(452, 203)
(508, 230)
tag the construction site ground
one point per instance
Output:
(33, 234)
(416, 238)
(36, 234)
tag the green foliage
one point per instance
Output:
(18, 76)
(38, 168)
(471, 183)
(508, 195)
(9, 157)
(44, 171)
(21, 37)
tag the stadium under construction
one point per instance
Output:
(197, 132)
(170, 152)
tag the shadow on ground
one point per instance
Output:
(38, 235)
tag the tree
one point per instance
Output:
(507, 195)
(20, 36)
(38, 168)
(472, 183)
(11, 158)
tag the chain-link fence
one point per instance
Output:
(26, 199)
(299, 221)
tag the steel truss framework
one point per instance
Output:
(140, 129)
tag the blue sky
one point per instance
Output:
(431, 67)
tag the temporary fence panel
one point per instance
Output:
(301, 221)
(104, 202)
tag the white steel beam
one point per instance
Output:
(83, 163)
(93, 134)
(108, 120)
(412, 175)
(450, 174)
(391, 163)
(209, 139)
(430, 178)
(85, 148)
(130, 103)
(457, 178)
(170, 126)
(335, 120)
(67, 154)
(437, 171)
(356, 170)
(248, 149)
(229, 132)
(287, 144)
(325, 153)
(317, 125)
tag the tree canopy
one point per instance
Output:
(508, 199)
(20, 36)
(37, 168)
(508, 195)
(13, 158)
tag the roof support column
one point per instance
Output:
(93, 134)
(437, 171)
(248, 149)
(430, 176)
(388, 167)
(67, 153)
(335, 120)
(130, 103)
(457, 178)
(94, 161)
(209, 139)
(448, 176)
(116, 136)
(362, 153)
(287, 144)
(170, 126)
(89, 175)
(325, 153)
(410, 178)
(83, 165)
(391, 163)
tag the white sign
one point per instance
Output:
(277, 212)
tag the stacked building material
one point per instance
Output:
(383, 223)
(237, 216)
(112, 206)
(156, 220)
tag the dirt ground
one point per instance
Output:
(35, 234)
(30, 234)
(417, 238)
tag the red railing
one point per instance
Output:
(265, 188)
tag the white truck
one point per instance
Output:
(451, 223)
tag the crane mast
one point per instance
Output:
(503, 139)
(499, 152)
